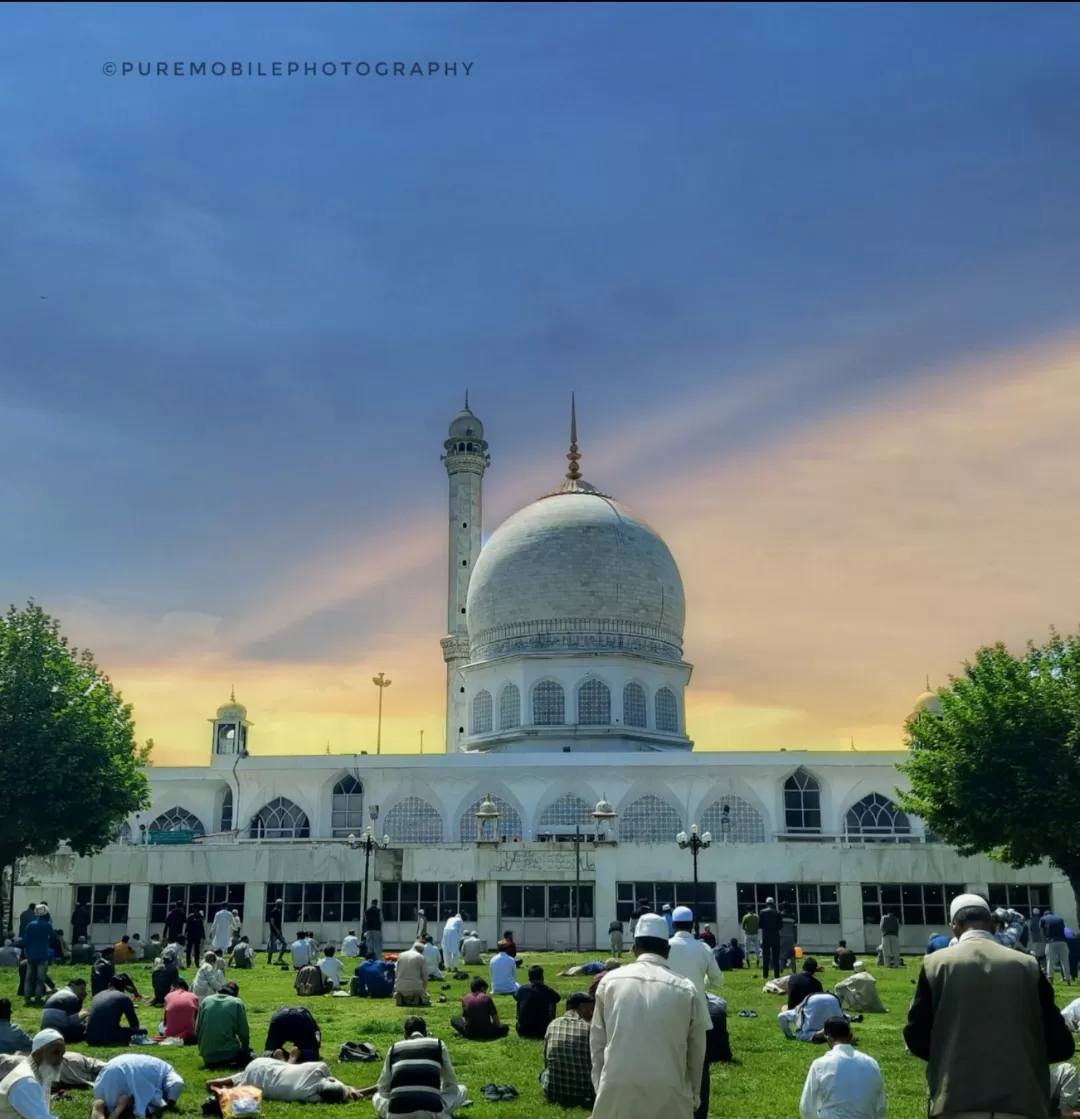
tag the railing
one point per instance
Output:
(846, 838)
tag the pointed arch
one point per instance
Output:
(280, 819)
(802, 804)
(347, 807)
(634, 705)
(509, 707)
(566, 811)
(594, 703)
(876, 817)
(177, 819)
(414, 820)
(481, 712)
(509, 823)
(740, 823)
(667, 711)
(548, 704)
(226, 810)
(649, 819)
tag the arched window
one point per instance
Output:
(567, 811)
(876, 817)
(481, 713)
(509, 822)
(414, 820)
(509, 707)
(633, 706)
(122, 834)
(649, 820)
(226, 811)
(802, 804)
(226, 738)
(594, 704)
(347, 807)
(280, 819)
(549, 704)
(740, 823)
(177, 819)
(667, 711)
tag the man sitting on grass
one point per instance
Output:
(479, 1019)
(411, 978)
(106, 1010)
(567, 1073)
(374, 978)
(242, 955)
(418, 1079)
(332, 968)
(536, 1003)
(859, 993)
(809, 1018)
(433, 957)
(503, 972)
(222, 1030)
(13, 1038)
(843, 1081)
(843, 957)
(64, 1011)
(472, 950)
(181, 1012)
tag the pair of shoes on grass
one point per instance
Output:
(495, 1092)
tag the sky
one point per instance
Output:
(811, 271)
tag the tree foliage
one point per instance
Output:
(70, 769)
(997, 771)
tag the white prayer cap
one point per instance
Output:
(968, 901)
(666, 907)
(770, 901)
(859, 966)
(683, 915)
(651, 925)
(46, 1037)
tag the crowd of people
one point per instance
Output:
(639, 1042)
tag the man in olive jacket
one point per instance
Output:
(984, 1020)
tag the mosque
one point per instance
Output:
(568, 787)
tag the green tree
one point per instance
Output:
(70, 769)
(996, 770)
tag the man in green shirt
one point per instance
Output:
(221, 1029)
(751, 943)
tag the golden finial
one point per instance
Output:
(232, 694)
(573, 474)
(928, 681)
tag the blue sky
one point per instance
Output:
(726, 227)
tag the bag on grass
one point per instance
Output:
(358, 1051)
(242, 1101)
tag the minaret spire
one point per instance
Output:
(232, 693)
(466, 400)
(573, 474)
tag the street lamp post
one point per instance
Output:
(368, 844)
(695, 843)
(382, 684)
(602, 813)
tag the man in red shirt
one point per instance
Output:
(479, 1018)
(181, 1010)
(508, 945)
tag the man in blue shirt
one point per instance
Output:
(374, 978)
(38, 953)
(1057, 946)
(936, 943)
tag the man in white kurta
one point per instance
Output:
(844, 1083)
(451, 941)
(26, 1091)
(647, 1038)
(221, 931)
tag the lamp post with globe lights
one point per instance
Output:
(603, 813)
(368, 844)
(695, 843)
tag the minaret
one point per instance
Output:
(466, 459)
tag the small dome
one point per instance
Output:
(487, 810)
(466, 426)
(231, 713)
(603, 808)
(928, 701)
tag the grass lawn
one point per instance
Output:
(765, 1079)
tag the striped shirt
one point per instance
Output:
(416, 1073)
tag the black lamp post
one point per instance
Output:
(368, 844)
(695, 843)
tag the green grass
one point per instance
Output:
(764, 1081)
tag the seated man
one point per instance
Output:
(163, 977)
(146, 1083)
(809, 1017)
(242, 955)
(433, 957)
(730, 956)
(410, 979)
(471, 950)
(64, 1012)
(859, 991)
(301, 951)
(288, 1082)
(779, 985)
(332, 968)
(350, 946)
(181, 1012)
(418, 1070)
(1064, 1092)
(503, 972)
(123, 953)
(479, 1018)
(137, 946)
(536, 1003)
(222, 1031)
(153, 949)
(82, 951)
(208, 979)
(1071, 1014)
(843, 957)
(507, 945)
(9, 954)
(103, 972)
(13, 1038)
(311, 981)
(374, 978)
(25, 1091)
(804, 984)
(708, 936)
(295, 1026)
(106, 1010)
(58, 946)
(936, 943)
(843, 1081)
(566, 1077)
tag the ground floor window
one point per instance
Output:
(207, 898)
(657, 894)
(912, 904)
(402, 901)
(540, 902)
(108, 904)
(1021, 898)
(317, 902)
(814, 903)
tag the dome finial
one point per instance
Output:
(573, 474)
(466, 400)
(232, 693)
(928, 681)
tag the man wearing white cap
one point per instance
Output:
(647, 1037)
(26, 1090)
(984, 1020)
(693, 960)
(859, 993)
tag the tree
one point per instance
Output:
(997, 770)
(70, 769)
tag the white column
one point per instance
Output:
(255, 927)
(139, 910)
(851, 917)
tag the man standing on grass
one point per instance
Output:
(770, 923)
(844, 1082)
(984, 1020)
(890, 939)
(451, 941)
(751, 943)
(648, 1035)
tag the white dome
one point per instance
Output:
(466, 426)
(575, 572)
